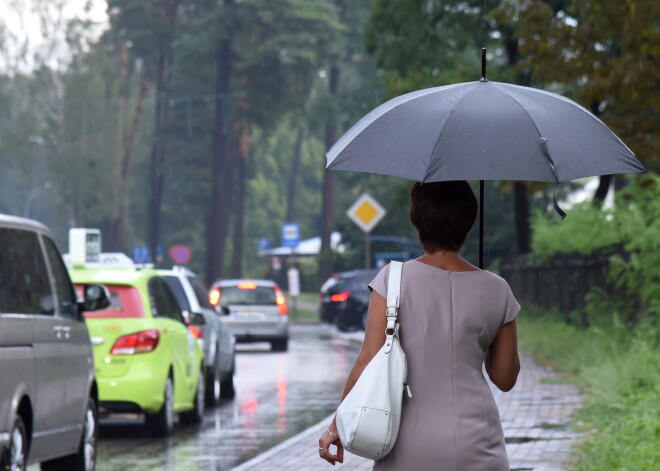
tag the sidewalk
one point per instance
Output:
(536, 417)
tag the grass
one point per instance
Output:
(619, 371)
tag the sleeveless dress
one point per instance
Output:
(448, 320)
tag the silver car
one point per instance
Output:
(48, 395)
(254, 310)
(217, 340)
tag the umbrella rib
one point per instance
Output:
(542, 140)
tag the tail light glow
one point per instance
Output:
(340, 297)
(214, 297)
(280, 300)
(138, 342)
(197, 331)
(246, 285)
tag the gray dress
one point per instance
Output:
(448, 320)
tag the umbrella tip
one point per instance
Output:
(483, 65)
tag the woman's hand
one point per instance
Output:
(331, 437)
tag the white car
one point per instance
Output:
(254, 310)
(218, 343)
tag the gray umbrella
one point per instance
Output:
(482, 131)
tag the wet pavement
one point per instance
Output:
(278, 395)
(537, 417)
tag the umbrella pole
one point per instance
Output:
(481, 224)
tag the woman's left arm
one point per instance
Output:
(374, 338)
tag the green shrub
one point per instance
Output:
(634, 224)
(619, 371)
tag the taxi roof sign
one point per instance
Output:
(366, 212)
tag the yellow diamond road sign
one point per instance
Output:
(366, 212)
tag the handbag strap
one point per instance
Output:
(393, 298)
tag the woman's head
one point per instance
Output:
(443, 213)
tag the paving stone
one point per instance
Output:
(536, 417)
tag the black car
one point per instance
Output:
(345, 299)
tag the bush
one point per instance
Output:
(634, 224)
(619, 371)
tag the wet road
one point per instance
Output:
(278, 395)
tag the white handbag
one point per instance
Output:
(369, 416)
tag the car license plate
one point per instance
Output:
(248, 314)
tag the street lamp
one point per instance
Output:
(27, 208)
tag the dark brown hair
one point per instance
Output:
(443, 213)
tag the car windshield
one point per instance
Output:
(124, 302)
(249, 294)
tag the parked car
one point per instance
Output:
(217, 341)
(254, 310)
(48, 391)
(147, 361)
(344, 299)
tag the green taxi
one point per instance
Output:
(146, 359)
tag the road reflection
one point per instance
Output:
(277, 396)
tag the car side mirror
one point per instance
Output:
(197, 318)
(96, 298)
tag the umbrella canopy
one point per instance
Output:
(482, 131)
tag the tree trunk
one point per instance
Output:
(217, 224)
(119, 225)
(521, 207)
(520, 198)
(603, 189)
(241, 195)
(156, 161)
(328, 204)
(293, 177)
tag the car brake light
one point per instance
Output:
(197, 331)
(245, 285)
(139, 342)
(340, 297)
(280, 300)
(214, 297)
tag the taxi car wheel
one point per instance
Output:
(15, 457)
(227, 389)
(85, 458)
(161, 422)
(196, 415)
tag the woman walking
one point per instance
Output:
(454, 318)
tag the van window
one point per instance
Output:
(24, 285)
(177, 289)
(124, 302)
(63, 288)
(163, 300)
(201, 293)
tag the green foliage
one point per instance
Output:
(604, 55)
(620, 374)
(634, 224)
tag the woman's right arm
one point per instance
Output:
(502, 362)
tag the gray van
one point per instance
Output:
(48, 399)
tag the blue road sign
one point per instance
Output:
(290, 234)
(141, 254)
(263, 243)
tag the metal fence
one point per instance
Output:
(560, 282)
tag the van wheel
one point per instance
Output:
(85, 458)
(162, 422)
(196, 415)
(213, 385)
(15, 456)
(227, 389)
